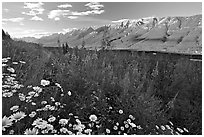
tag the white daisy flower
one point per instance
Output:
(107, 131)
(6, 122)
(63, 121)
(18, 116)
(93, 118)
(29, 131)
(52, 119)
(120, 111)
(14, 108)
(44, 82)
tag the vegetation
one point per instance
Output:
(98, 92)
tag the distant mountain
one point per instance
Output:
(170, 34)
(28, 39)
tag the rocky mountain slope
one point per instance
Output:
(168, 34)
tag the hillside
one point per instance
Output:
(168, 34)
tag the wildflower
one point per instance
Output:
(33, 103)
(52, 99)
(110, 107)
(132, 124)
(34, 131)
(31, 93)
(15, 63)
(11, 70)
(180, 130)
(52, 119)
(44, 102)
(115, 128)
(57, 103)
(69, 93)
(44, 82)
(63, 130)
(88, 131)
(162, 127)
(21, 97)
(132, 117)
(23, 62)
(70, 125)
(93, 118)
(8, 94)
(168, 127)
(128, 120)
(6, 122)
(11, 132)
(18, 116)
(171, 123)
(122, 128)
(14, 108)
(107, 131)
(117, 124)
(185, 129)
(4, 60)
(32, 114)
(70, 114)
(40, 123)
(37, 89)
(62, 95)
(63, 121)
(52, 108)
(120, 111)
(126, 126)
(139, 127)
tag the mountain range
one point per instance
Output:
(167, 34)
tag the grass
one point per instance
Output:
(86, 92)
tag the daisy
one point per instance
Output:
(44, 82)
(23, 62)
(63, 130)
(14, 108)
(51, 119)
(37, 89)
(32, 114)
(34, 131)
(40, 123)
(63, 121)
(162, 127)
(44, 102)
(107, 131)
(8, 94)
(93, 118)
(18, 116)
(6, 122)
(69, 93)
(11, 70)
(120, 111)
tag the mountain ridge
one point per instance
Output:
(171, 34)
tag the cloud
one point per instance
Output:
(35, 9)
(72, 17)
(94, 5)
(36, 18)
(65, 6)
(118, 21)
(6, 10)
(86, 13)
(13, 20)
(55, 14)
(95, 8)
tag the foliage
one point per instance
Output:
(98, 92)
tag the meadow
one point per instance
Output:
(98, 92)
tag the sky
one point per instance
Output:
(36, 19)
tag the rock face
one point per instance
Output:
(169, 34)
